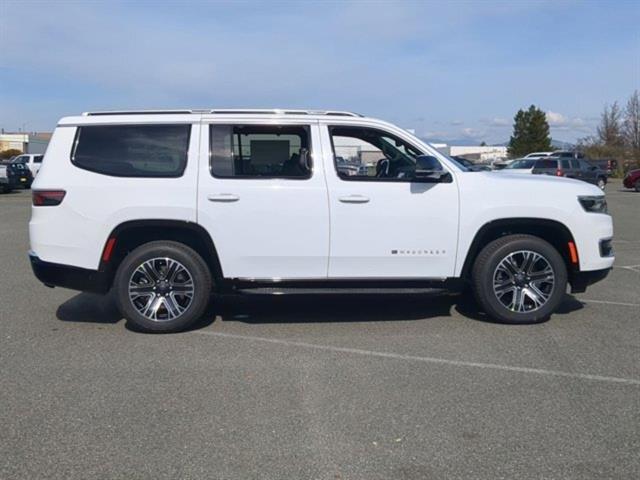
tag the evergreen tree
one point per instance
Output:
(530, 132)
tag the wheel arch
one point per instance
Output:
(552, 231)
(131, 234)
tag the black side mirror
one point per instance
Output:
(429, 168)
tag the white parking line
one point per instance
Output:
(414, 358)
(606, 302)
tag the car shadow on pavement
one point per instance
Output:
(331, 308)
(254, 309)
(89, 308)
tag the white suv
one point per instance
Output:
(166, 208)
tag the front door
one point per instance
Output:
(384, 224)
(263, 199)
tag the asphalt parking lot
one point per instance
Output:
(364, 387)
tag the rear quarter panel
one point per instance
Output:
(75, 232)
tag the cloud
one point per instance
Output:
(499, 122)
(457, 123)
(556, 119)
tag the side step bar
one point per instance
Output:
(339, 291)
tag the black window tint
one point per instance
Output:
(369, 154)
(546, 164)
(260, 151)
(37, 159)
(133, 150)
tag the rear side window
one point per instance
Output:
(132, 150)
(546, 164)
(37, 159)
(260, 151)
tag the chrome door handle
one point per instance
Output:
(354, 199)
(223, 197)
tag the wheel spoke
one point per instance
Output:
(510, 265)
(149, 269)
(173, 309)
(517, 301)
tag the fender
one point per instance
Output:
(554, 232)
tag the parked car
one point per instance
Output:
(474, 167)
(166, 208)
(566, 154)
(521, 165)
(608, 165)
(579, 169)
(17, 175)
(632, 180)
(538, 154)
(31, 161)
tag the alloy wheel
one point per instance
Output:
(161, 289)
(523, 281)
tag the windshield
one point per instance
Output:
(521, 164)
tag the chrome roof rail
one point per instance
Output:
(273, 111)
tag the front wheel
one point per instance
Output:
(637, 186)
(163, 286)
(519, 279)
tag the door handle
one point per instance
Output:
(354, 199)
(223, 197)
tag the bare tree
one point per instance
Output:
(631, 126)
(610, 130)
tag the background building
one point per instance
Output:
(35, 142)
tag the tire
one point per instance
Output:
(602, 183)
(637, 186)
(163, 286)
(509, 297)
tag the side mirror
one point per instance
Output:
(429, 168)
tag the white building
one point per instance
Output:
(476, 153)
(25, 142)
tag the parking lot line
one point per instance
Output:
(607, 302)
(415, 358)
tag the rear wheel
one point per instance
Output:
(637, 186)
(163, 286)
(519, 279)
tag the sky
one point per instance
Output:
(456, 70)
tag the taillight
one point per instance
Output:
(559, 173)
(47, 198)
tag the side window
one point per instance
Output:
(565, 164)
(546, 164)
(260, 151)
(132, 150)
(368, 154)
(38, 159)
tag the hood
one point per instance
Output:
(515, 171)
(519, 184)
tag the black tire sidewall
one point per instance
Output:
(494, 253)
(176, 251)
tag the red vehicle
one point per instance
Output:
(632, 179)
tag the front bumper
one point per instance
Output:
(581, 280)
(75, 278)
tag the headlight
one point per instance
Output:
(593, 204)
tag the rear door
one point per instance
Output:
(263, 198)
